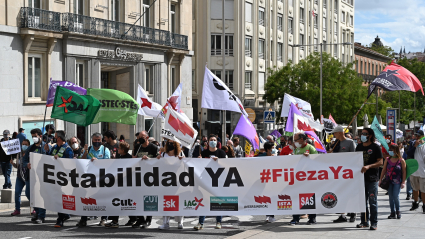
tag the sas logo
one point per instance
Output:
(150, 203)
(329, 200)
(171, 203)
(88, 201)
(308, 201)
(193, 204)
(284, 203)
(126, 204)
(68, 202)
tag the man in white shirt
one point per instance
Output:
(417, 179)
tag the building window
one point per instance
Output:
(217, 9)
(229, 79)
(342, 16)
(261, 49)
(248, 12)
(261, 82)
(271, 19)
(324, 3)
(248, 80)
(324, 46)
(248, 46)
(149, 79)
(316, 46)
(335, 50)
(301, 41)
(115, 10)
(290, 25)
(271, 51)
(261, 17)
(35, 3)
(291, 3)
(173, 78)
(316, 20)
(229, 45)
(279, 51)
(215, 45)
(335, 29)
(279, 22)
(34, 76)
(343, 58)
(173, 18)
(146, 13)
(324, 24)
(193, 81)
(361, 67)
(373, 69)
(351, 21)
(78, 7)
(336, 6)
(301, 15)
(79, 74)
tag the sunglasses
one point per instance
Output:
(365, 134)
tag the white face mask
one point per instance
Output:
(291, 147)
(75, 146)
(298, 145)
(35, 140)
(388, 141)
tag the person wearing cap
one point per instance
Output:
(346, 145)
(417, 179)
(21, 136)
(50, 131)
(6, 166)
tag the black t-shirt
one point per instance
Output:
(371, 154)
(219, 153)
(124, 156)
(78, 153)
(113, 149)
(151, 151)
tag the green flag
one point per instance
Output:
(116, 106)
(379, 135)
(72, 107)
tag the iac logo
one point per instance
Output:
(171, 203)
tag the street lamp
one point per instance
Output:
(321, 63)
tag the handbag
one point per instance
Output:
(385, 183)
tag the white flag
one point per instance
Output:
(302, 123)
(303, 106)
(174, 101)
(147, 106)
(179, 128)
(216, 95)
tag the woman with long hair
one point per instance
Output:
(229, 151)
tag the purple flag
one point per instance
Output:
(247, 130)
(317, 144)
(65, 84)
(276, 133)
(290, 122)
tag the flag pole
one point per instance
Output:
(200, 133)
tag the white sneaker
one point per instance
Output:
(180, 226)
(267, 219)
(271, 219)
(164, 227)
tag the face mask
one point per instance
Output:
(5, 136)
(142, 140)
(298, 145)
(75, 146)
(96, 144)
(274, 151)
(388, 141)
(391, 153)
(363, 138)
(170, 146)
(24, 147)
(36, 140)
(291, 147)
(213, 144)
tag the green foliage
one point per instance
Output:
(343, 92)
(384, 50)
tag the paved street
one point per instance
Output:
(412, 225)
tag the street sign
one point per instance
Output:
(269, 116)
(391, 123)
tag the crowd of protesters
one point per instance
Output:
(380, 166)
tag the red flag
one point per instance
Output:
(332, 119)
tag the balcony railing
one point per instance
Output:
(248, 53)
(69, 22)
(40, 19)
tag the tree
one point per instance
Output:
(407, 97)
(384, 50)
(343, 92)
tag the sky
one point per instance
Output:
(397, 22)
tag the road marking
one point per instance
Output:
(25, 237)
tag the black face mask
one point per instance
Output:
(170, 146)
(97, 144)
(142, 140)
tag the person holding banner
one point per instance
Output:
(417, 179)
(395, 172)
(270, 150)
(21, 178)
(289, 148)
(76, 147)
(37, 147)
(6, 166)
(172, 149)
(214, 153)
(372, 158)
(95, 152)
(60, 150)
(302, 147)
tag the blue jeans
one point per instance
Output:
(371, 193)
(41, 212)
(409, 189)
(19, 185)
(202, 219)
(6, 168)
(393, 193)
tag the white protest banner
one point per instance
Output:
(302, 106)
(320, 183)
(11, 146)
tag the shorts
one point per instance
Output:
(418, 183)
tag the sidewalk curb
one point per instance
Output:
(4, 206)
